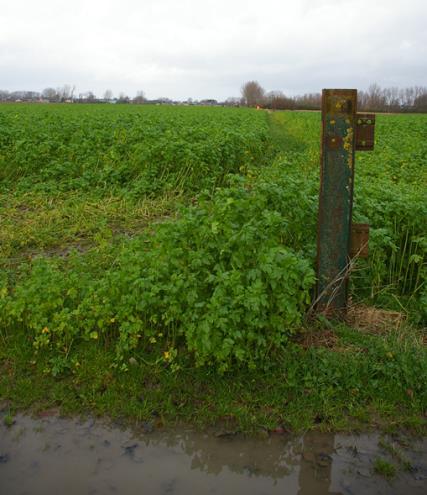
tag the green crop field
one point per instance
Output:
(185, 237)
(123, 224)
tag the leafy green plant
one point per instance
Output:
(8, 420)
(220, 279)
(384, 468)
(130, 150)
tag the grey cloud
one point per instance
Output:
(209, 48)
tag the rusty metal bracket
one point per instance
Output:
(365, 131)
(359, 240)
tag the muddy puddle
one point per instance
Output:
(67, 457)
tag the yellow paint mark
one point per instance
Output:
(348, 146)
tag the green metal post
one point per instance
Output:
(335, 198)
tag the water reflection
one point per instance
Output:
(68, 457)
(316, 464)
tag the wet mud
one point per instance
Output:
(53, 455)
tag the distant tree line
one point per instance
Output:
(375, 98)
(393, 99)
(66, 94)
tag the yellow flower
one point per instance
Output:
(167, 355)
(45, 330)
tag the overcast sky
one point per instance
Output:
(208, 48)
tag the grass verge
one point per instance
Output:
(345, 380)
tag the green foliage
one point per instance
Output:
(363, 381)
(229, 279)
(396, 453)
(221, 278)
(384, 468)
(391, 196)
(131, 150)
(8, 420)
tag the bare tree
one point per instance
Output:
(123, 98)
(140, 97)
(420, 102)
(408, 96)
(108, 95)
(233, 101)
(252, 93)
(308, 101)
(65, 93)
(278, 101)
(4, 94)
(88, 97)
(393, 100)
(50, 94)
(376, 100)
